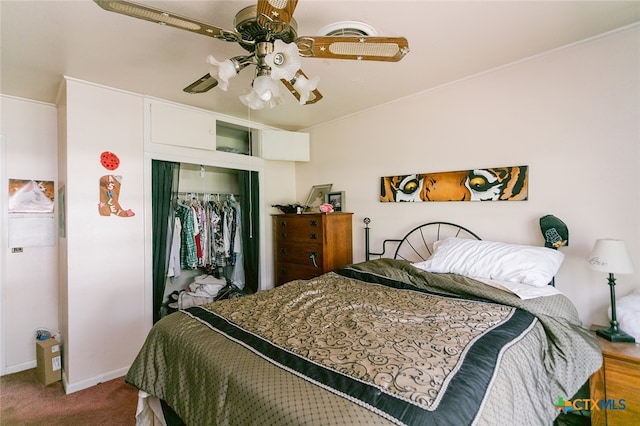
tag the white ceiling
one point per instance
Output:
(449, 40)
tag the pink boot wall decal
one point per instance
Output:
(110, 188)
(109, 194)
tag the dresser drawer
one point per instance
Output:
(622, 382)
(299, 228)
(286, 272)
(309, 254)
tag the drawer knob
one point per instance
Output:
(283, 223)
(283, 235)
(313, 236)
(313, 223)
(283, 250)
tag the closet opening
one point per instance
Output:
(205, 234)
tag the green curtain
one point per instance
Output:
(165, 177)
(250, 207)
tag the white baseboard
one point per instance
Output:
(19, 367)
(70, 387)
(84, 384)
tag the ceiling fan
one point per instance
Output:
(268, 32)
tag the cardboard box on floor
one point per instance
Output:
(49, 364)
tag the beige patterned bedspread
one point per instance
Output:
(407, 345)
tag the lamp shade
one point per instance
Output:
(611, 256)
(223, 71)
(304, 87)
(284, 61)
(265, 93)
(266, 88)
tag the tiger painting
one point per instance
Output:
(493, 184)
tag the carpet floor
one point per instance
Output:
(25, 401)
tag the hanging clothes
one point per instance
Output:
(196, 208)
(218, 259)
(229, 232)
(210, 237)
(174, 253)
(188, 251)
(205, 231)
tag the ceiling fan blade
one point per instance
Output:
(390, 49)
(274, 16)
(201, 85)
(165, 18)
(316, 93)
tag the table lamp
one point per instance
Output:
(612, 256)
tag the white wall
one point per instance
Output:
(29, 282)
(572, 115)
(105, 292)
(281, 190)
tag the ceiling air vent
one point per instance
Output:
(348, 28)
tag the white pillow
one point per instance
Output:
(628, 314)
(523, 291)
(495, 261)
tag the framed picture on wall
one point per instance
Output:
(337, 200)
(317, 196)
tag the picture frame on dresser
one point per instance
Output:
(337, 200)
(317, 196)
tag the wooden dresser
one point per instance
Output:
(618, 379)
(310, 244)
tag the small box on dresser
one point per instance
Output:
(616, 384)
(309, 244)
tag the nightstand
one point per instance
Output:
(617, 384)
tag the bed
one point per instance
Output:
(385, 341)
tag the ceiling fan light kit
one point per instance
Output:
(284, 61)
(305, 87)
(268, 32)
(264, 93)
(224, 70)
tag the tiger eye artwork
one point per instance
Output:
(494, 184)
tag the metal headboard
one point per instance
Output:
(417, 244)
